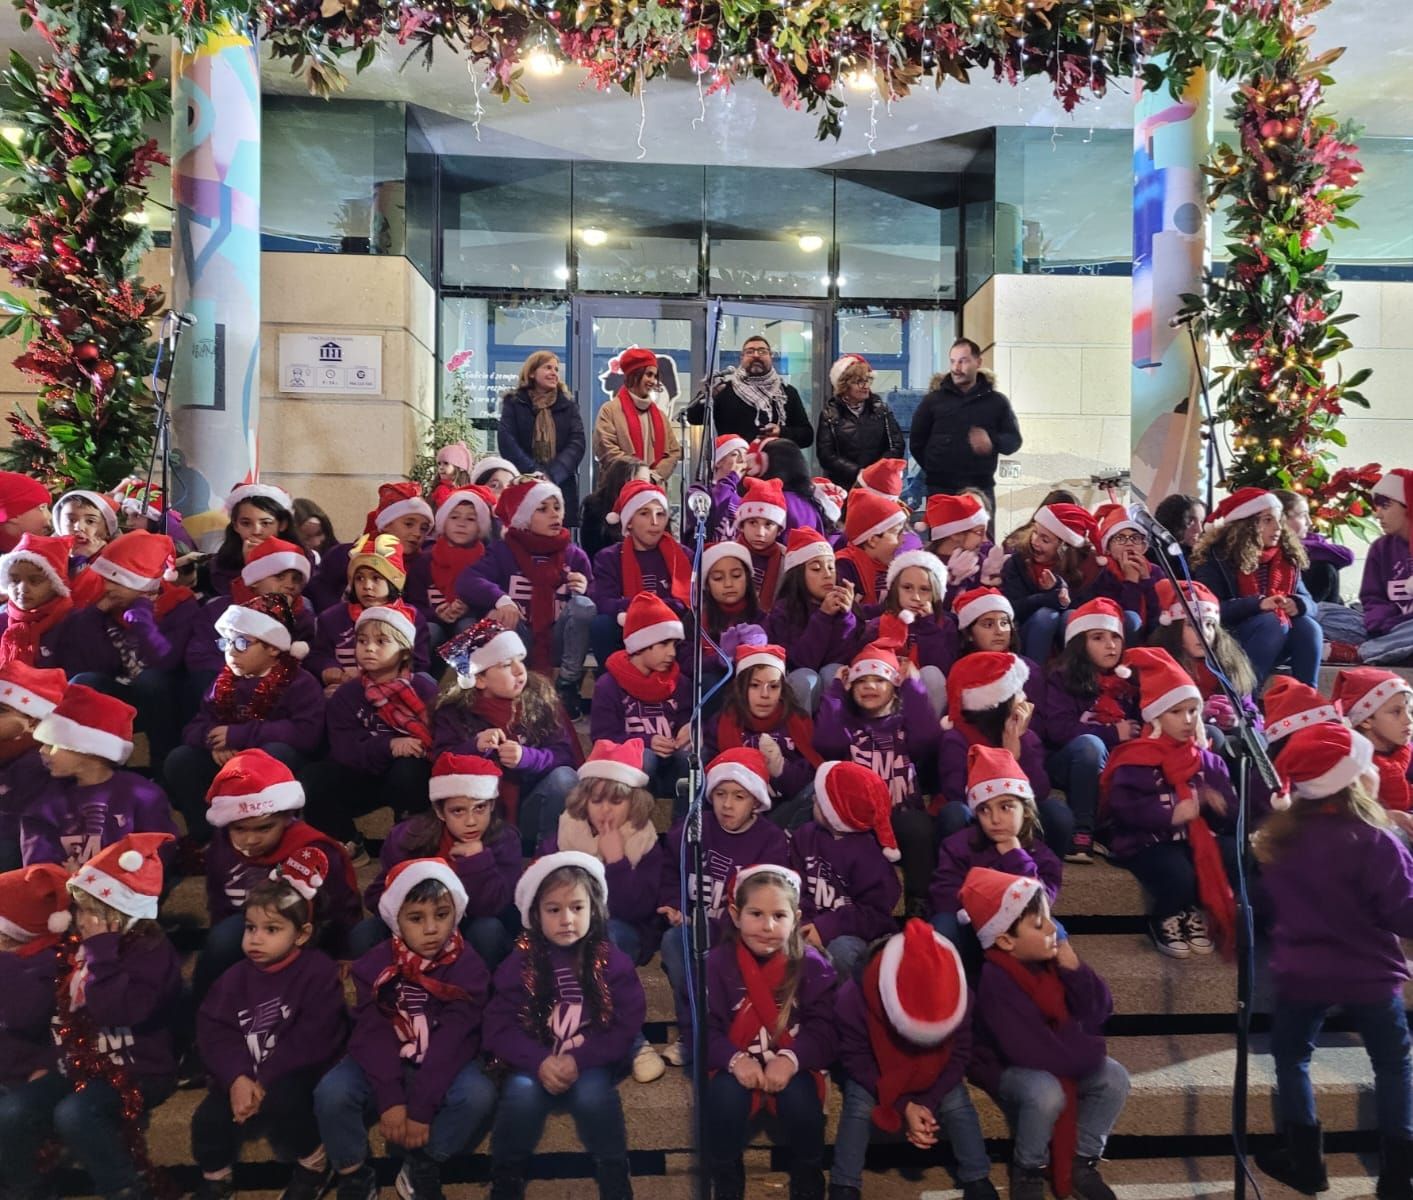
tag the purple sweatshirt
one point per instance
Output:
(606, 582)
(821, 640)
(617, 716)
(801, 513)
(848, 889)
(488, 877)
(457, 725)
(725, 498)
(952, 765)
(1321, 550)
(1068, 716)
(64, 820)
(633, 888)
(936, 640)
(958, 854)
(296, 719)
(446, 1034)
(1140, 805)
(334, 642)
(569, 1032)
(122, 645)
(202, 652)
(813, 1019)
(131, 989)
(26, 1009)
(230, 876)
(1341, 897)
(890, 746)
(268, 1023)
(497, 575)
(857, 1058)
(358, 738)
(1387, 588)
(1011, 1032)
(722, 853)
(797, 774)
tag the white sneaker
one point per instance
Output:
(648, 1064)
(1168, 936)
(678, 1053)
(1194, 929)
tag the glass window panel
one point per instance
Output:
(421, 199)
(897, 234)
(770, 231)
(505, 223)
(638, 227)
(496, 337)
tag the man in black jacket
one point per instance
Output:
(961, 428)
(754, 402)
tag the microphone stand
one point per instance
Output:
(169, 338)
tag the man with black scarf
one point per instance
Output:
(753, 401)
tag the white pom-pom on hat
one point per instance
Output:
(1123, 672)
(130, 860)
(612, 518)
(59, 922)
(316, 881)
(907, 616)
(299, 650)
(623, 619)
(467, 681)
(171, 574)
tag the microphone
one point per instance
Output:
(700, 504)
(182, 318)
(1156, 531)
(1186, 318)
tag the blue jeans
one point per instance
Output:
(220, 950)
(1395, 648)
(571, 633)
(1268, 643)
(1384, 1029)
(1075, 769)
(847, 952)
(799, 1120)
(343, 1103)
(794, 812)
(1040, 634)
(89, 1124)
(1056, 822)
(963, 937)
(1034, 1100)
(540, 809)
(26, 1117)
(1341, 624)
(674, 966)
(488, 936)
(593, 1103)
(955, 1114)
(626, 937)
(663, 771)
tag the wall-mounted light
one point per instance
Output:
(593, 236)
(542, 62)
(810, 242)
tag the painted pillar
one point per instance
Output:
(216, 264)
(1171, 140)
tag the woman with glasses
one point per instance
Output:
(856, 426)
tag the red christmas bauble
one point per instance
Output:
(706, 39)
(823, 82)
(87, 353)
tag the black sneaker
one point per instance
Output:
(1026, 1183)
(1194, 929)
(420, 1178)
(979, 1189)
(215, 1189)
(1086, 1182)
(307, 1184)
(1169, 937)
(571, 695)
(1081, 848)
(842, 1191)
(361, 1184)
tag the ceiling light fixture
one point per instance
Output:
(810, 242)
(593, 236)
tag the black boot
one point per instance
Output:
(1026, 1183)
(842, 1191)
(507, 1181)
(1395, 1169)
(806, 1181)
(612, 1177)
(979, 1189)
(1300, 1163)
(728, 1180)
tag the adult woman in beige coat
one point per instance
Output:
(632, 425)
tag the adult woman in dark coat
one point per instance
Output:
(541, 429)
(856, 426)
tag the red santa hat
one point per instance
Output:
(936, 571)
(19, 494)
(382, 553)
(138, 560)
(34, 902)
(88, 722)
(519, 500)
(745, 767)
(877, 658)
(271, 557)
(1362, 691)
(869, 514)
(719, 551)
(1245, 502)
(923, 987)
(306, 871)
(804, 544)
(830, 497)
(993, 901)
(1199, 598)
(259, 491)
(1291, 705)
(646, 621)
(842, 364)
(635, 494)
(269, 619)
(947, 515)
(527, 890)
(972, 605)
(1100, 613)
(1325, 759)
(126, 875)
(482, 500)
(758, 654)
(485, 645)
(1114, 520)
(853, 799)
(728, 443)
(456, 454)
(49, 554)
(34, 691)
(471, 775)
(984, 680)
(763, 498)
(489, 465)
(883, 478)
(1068, 522)
(621, 762)
(635, 358)
(397, 614)
(993, 771)
(1396, 485)
(400, 499)
(1162, 683)
(252, 784)
(407, 875)
(107, 509)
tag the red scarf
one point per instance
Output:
(633, 418)
(1046, 991)
(299, 834)
(229, 711)
(761, 1012)
(867, 570)
(904, 1067)
(20, 641)
(413, 968)
(546, 578)
(399, 707)
(1110, 709)
(1274, 576)
(448, 561)
(656, 687)
(170, 597)
(1180, 763)
(1393, 779)
(1118, 573)
(500, 714)
(679, 570)
(798, 727)
(775, 557)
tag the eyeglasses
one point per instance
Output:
(759, 351)
(238, 642)
(1128, 539)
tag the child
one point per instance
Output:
(771, 1033)
(877, 714)
(255, 807)
(760, 712)
(494, 707)
(730, 597)
(955, 529)
(1006, 836)
(534, 580)
(316, 530)
(760, 519)
(1385, 593)
(1039, 1046)
(258, 512)
(27, 696)
(1252, 564)
(1327, 558)
(36, 580)
(1341, 891)
(1376, 703)
(416, 1037)
(1126, 576)
(24, 508)
(89, 521)
(453, 472)
(904, 1044)
(916, 583)
(267, 1031)
(463, 527)
(873, 528)
(494, 474)
(733, 836)
(644, 693)
(783, 462)
(402, 513)
(728, 467)
(260, 699)
(1091, 707)
(844, 858)
(986, 623)
(1050, 570)
(563, 1017)
(648, 559)
(87, 802)
(462, 828)
(1162, 793)
(379, 730)
(813, 617)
